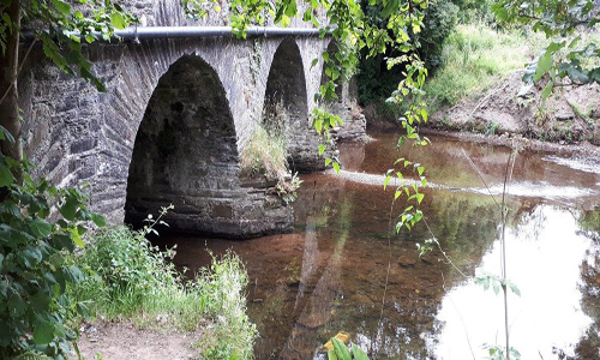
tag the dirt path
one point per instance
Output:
(122, 341)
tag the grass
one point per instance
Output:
(476, 57)
(265, 154)
(129, 279)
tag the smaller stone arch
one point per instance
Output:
(286, 107)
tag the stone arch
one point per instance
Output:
(185, 152)
(286, 104)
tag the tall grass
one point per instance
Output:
(265, 154)
(475, 57)
(129, 279)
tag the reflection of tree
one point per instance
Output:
(466, 226)
(588, 346)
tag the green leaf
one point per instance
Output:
(547, 90)
(341, 350)
(99, 220)
(41, 228)
(544, 65)
(358, 353)
(6, 176)
(514, 289)
(322, 148)
(336, 166)
(69, 209)
(76, 237)
(118, 20)
(386, 181)
(43, 333)
(331, 355)
(62, 6)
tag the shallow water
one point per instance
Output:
(332, 273)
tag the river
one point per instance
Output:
(332, 273)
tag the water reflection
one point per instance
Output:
(330, 275)
(544, 253)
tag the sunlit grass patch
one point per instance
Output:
(265, 154)
(475, 57)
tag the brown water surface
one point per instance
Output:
(332, 273)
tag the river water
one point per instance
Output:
(343, 269)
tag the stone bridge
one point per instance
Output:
(176, 115)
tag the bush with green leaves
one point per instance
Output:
(126, 273)
(440, 20)
(40, 226)
(222, 288)
(130, 278)
(376, 81)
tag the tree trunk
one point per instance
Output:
(9, 63)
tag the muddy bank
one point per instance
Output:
(571, 115)
(510, 109)
(519, 142)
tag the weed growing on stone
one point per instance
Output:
(265, 155)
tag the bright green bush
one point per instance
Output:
(129, 278)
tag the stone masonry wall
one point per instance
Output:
(74, 133)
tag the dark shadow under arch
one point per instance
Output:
(185, 151)
(286, 106)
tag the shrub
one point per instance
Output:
(40, 226)
(440, 21)
(222, 287)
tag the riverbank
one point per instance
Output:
(518, 142)
(140, 304)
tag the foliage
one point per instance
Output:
(474, 11)
(498, 353)
(342, 352)
(223, 300)
(440, 21)
(286, 189)
(474, 58)
(566, 57)
(128, 277)
(62, 29)
(40, 225)
(376, 81)
(126, 273)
